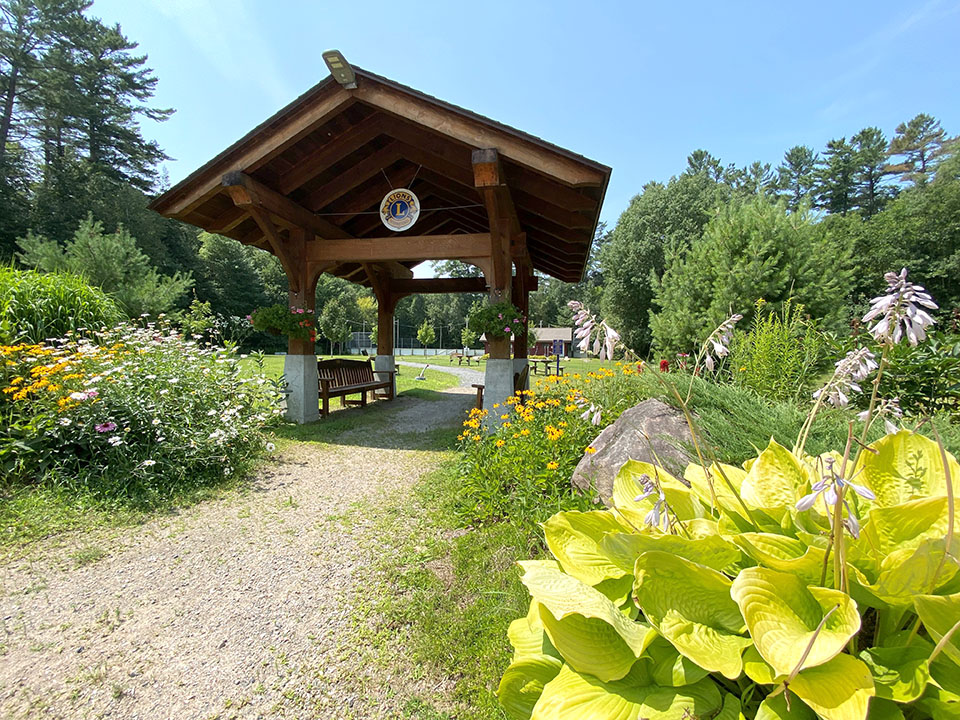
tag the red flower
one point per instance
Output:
(640, 367)
(664, 366)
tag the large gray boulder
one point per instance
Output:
(667, 437)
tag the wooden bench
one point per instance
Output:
(339, 378)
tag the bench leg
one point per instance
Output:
(363, 398)
(326, 404)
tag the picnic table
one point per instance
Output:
(460, 358)
(547, 366)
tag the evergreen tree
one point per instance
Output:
(836, 177)
(796, 175)
(752, 249)
(869, 152)
(663, 220)
(28, 30)
(919, 143)
(110, 261)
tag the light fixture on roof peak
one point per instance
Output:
(340, 69)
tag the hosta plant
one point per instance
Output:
(774, 590)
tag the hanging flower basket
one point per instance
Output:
(497, 321)
(294, 322)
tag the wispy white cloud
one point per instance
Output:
(870, 52)
(229, 39)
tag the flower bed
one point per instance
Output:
(133, 415)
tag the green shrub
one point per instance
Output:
(111, 262)
(779, 356)
(135, 418)
(35, 306)
(925, 378)
(778, 590)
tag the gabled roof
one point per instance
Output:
(549, 334)
(336, 152)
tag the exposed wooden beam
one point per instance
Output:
(229, 220)
(356, 175)
(251, 152)
(247, 192)
(290, 263)
(332, 150)
(400, 248)
(425, 286)
(476, 134)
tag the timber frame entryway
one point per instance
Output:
(306, 185)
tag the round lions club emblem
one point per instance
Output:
(399, 209)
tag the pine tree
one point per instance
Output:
(870, 156)
(920, 144)
(28, 29)
(796, 175)
(836, 177)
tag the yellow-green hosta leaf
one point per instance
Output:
(527, 636)
(690, 605)
(939, 614)
(522, 684)
(712, 551)
(779, 552)
(775, 708)
(588, 630)
(905, 467)
(574, 539)
(939, 704)
(907, 573)
(575, 696)
(881, 709)
(757, 669)
(905, 526)
(700, 484)
(730, 709)
(669, 668)
(627, 487)
(837, 690)
(782, 614)
(899, 673)
(774, 479)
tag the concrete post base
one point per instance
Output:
(518, 366)
(386, 363)
(497, 386)
(303, 398)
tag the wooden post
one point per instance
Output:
(521, 298)
(300, 364)
(488, 179)
(384, 362)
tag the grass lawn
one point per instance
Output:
(443, 597)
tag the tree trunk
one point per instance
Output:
(7, 119)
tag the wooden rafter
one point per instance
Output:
(400, 248)
(356, 175)
(247, 192)
(336, 148)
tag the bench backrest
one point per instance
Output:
(345, 372)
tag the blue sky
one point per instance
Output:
(635, 85)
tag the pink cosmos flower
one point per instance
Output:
(105, 427)
(506, 329)
(91, 394)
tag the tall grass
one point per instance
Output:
(35, 306)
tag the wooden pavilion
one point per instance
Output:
(307, 186)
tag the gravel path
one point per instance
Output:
(239, 607)
(467, 376)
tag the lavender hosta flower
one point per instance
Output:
(900, 311)
(886, 409)
(854, 367)
(718, 344)
(830, 486)
(658, 513)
